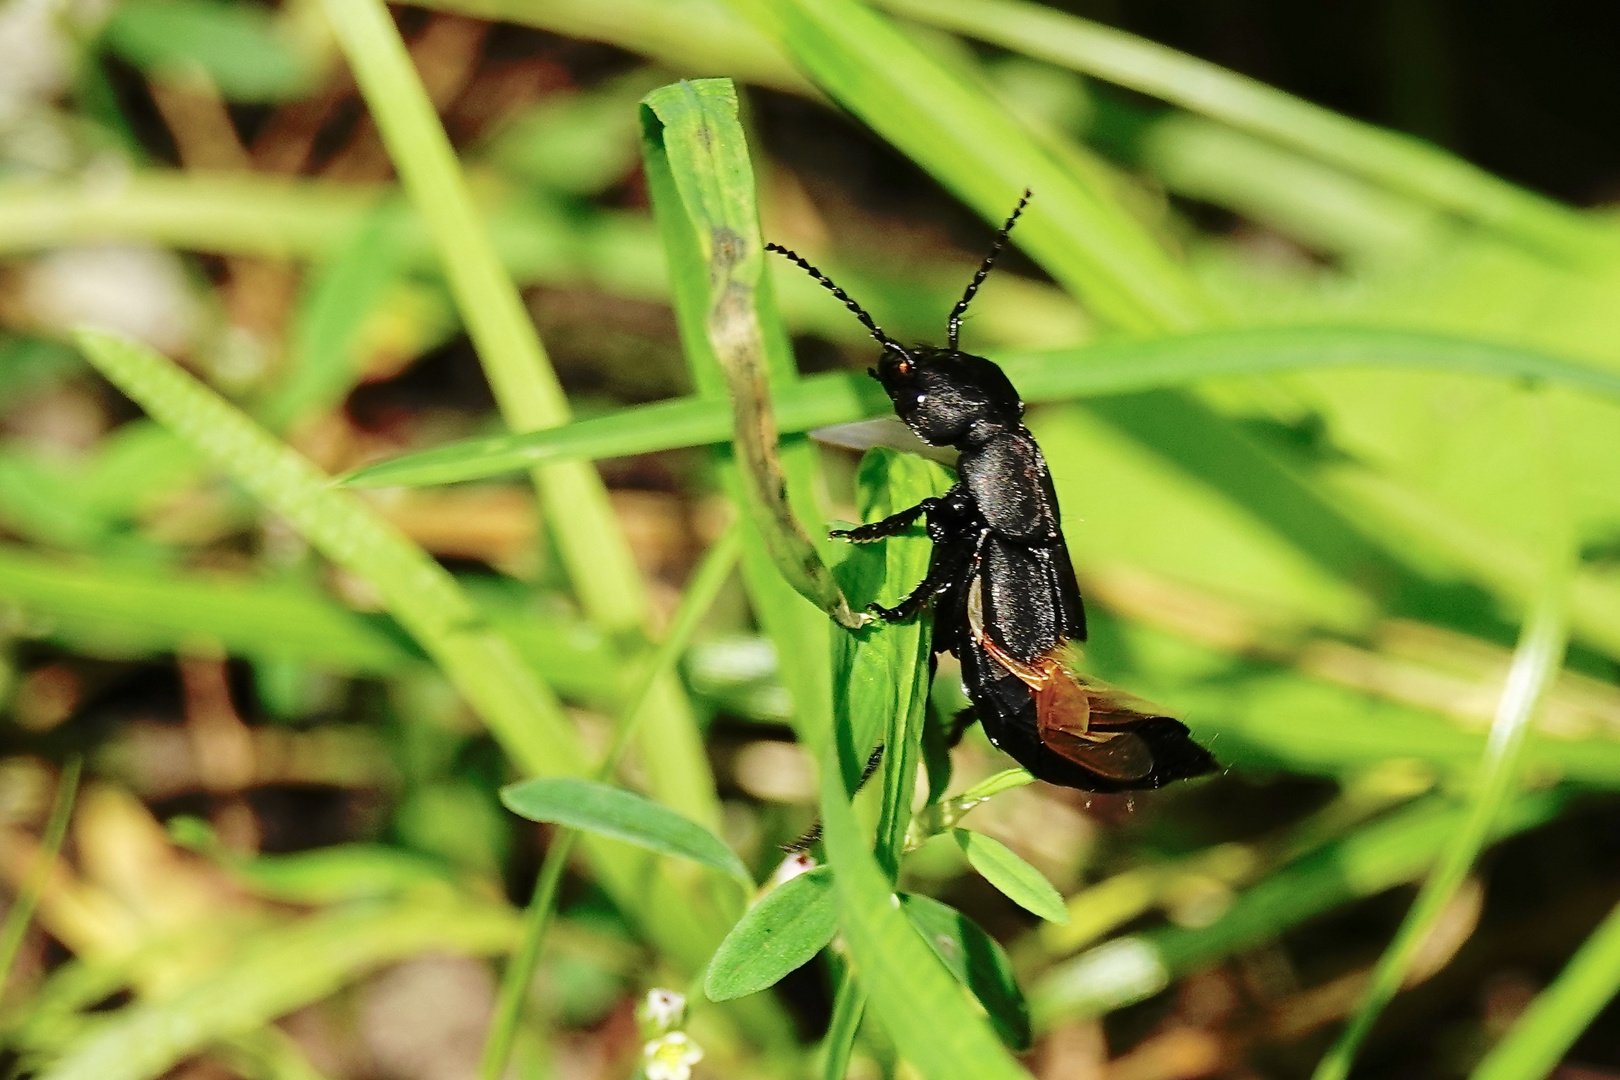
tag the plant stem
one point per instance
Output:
(700, 593)
(22, 909)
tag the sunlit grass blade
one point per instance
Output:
(1050, 375)
(481, 662)
(1075, 227)
(1536, 661)
(275, 971)
(478, 659)
(589, 539)
(1539, 1039)
(1402, 162)
(21, 910)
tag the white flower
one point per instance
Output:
(671, 1057)
(664, 1009)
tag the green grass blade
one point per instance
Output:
(1075, 226)
(275, 972)
(1049, 375)
(1012, 876)
(21, 911)
(699, 596)
(1401, 162)
(702, 141)
(519, 372)
(623, 815)
(780, 934)
(482, 663)
(1540, 1038)
(478, 658)
(1535, 666)
(592, 545)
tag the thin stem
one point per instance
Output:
(848, 1008)
(700, 593)
(1535, 665)
(22, 910)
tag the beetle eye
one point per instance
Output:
(904, 367)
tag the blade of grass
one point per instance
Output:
(874, 685)
(21, 911)
(589, 538)
(1401, 162)
(699, 596)
(479, 660)
(708, 161)
(1075, 227)
(1048, 375)
(1535, 666)
(1540, 1038)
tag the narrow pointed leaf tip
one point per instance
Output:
(623, 815)
(778, 935)
(1012, 876)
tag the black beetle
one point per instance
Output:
(1006, 602)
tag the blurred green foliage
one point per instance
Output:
(1323, 403)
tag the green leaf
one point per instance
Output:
(236, 44)
(781, 933)
(978, 962)
(1103, 369)
(1018, 881)
(624, 815)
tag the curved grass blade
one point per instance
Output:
(623, 815)
(1045, 376)
(1535, 666)
(978, 963)
(780, 934)
(1075, 227)
(1540, 1038)
(1401, 162)
(1016, 879)
(477, 657)
(708, 159)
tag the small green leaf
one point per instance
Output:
(624, 815)
(1016, 879)
(978, 963)
(779, 934)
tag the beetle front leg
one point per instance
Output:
(893, 525)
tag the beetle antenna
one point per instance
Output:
(953, 328)
(826, 282)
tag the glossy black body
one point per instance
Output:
(998, 533)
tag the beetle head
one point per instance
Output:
(948, 397)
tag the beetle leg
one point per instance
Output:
(893, 525)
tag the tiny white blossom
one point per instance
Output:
(797, 862)
(664, 1009)
(671, 1057)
